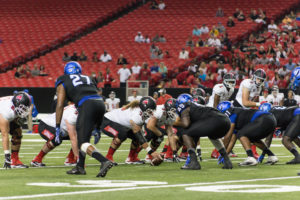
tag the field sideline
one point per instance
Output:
(145, 182)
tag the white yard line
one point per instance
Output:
(140, 188)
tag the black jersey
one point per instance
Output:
(240, 116)
(78, 87)
(283, 115)
(198, 112)
(289, 102)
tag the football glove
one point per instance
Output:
(261, 158)
(57, 135)
(7, 161)
(97, 135)
(220, 160)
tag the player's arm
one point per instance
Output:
(4, 127)
(172, 137)
(151, 125)
(245, 99)
(184, 120)
(228, 135)
(232, 140)
(73, 137)
(118, 105)
(216, 100)
(61, 96)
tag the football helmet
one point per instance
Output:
(72, 67)
(224, 106)
(148, 106)
(22, 103)
(265, 107)
(261, 75)
(199, 100)
(170, 106)
(295, 78)
(229, 81)
(198, 92)
(184, 98)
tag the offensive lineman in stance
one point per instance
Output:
(82, 91)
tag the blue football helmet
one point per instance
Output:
(224, 106)
(295, 78)
(183, 98)
(265, 107)
(72, 67)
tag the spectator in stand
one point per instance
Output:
(139, 38)
(202, 75)
(28, 71)
(66, 57)
(221, 69)
(290, 65)
(108, 79)
(122, 60)
(264, 60)
(290, 100)
(196, 31)
(193, 67)
(261, 50)
(19, 73)
(213, 41)
(190, 42)
(192, 53)
(136, 68)
(163, 70)
(250, 70)
(155, 95)
(204, 29)
(74, 57)
(95, 57)
(272, 66)
(93, 77)
(236, 13)
(230, 22)
(184, 54)
(203, 67)
(272, 27)
(155, 38)
(124, 74)
(100, 77)
(105, 57)
(214, 31)
(283, 82)
(181, 77)
(163, 97)
(161, 5)
(145, 74)
(162, 84)
(270, 50)
(220, 12)
(290, 51)
(153, 48)
(162, 39)
(283, 71)
(35, 71)
(43, 71)
(147, 39)
(287, 19)
(82, 56)
(100, 93)
(241, 16)
(134, 96)
(280, 53)
(234, 71)
(154, 68)
(153, 5)
(200, 42)
(220, 27)
(160, 54)
(253, 15)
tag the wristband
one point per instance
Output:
(57, 125)
(257, 104)
(149, 150)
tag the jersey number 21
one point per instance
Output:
(80, 79)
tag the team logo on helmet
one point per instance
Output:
(19, 97)
(145, 102)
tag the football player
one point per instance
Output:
(248, 94)
(47, 132)
(249, 125)
(199, 121)
(275, 98)
(112, 102)
(288, 120)
(127, 122)
(295, 80)
(14, 111)
(80, 90)
(221, 92)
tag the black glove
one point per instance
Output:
(7, 161)
(175, 157)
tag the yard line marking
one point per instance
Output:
(141, 188)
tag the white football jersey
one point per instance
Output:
(221, 91)
(161, 116)
(263, 99)
(123, 116)
(132, 98)
(7, 108)
(70, 115)
(112, 103)
(275, 101)
(250, 85)
(297, 98)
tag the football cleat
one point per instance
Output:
(215, 154)
(37, 164)
(250, 161)
(134, 161)
(70, 162)
(17, 164)
(255, 154)
(296, 160)
(183, 156)
(232, 154)
(105, 167)
(272, 160)
(7, 161)
(148, 158)
(77, 171)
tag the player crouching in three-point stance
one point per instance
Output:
(127, 122)
(80, 90)
(14, 111)
(199, 121)
(68, 129)
(249, 126)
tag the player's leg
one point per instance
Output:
(272, 159)
(292, 132)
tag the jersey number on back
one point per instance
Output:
(80, 79)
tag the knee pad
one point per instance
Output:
(84, 147)
(117, 141)
(50, 145)
(16, 139)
